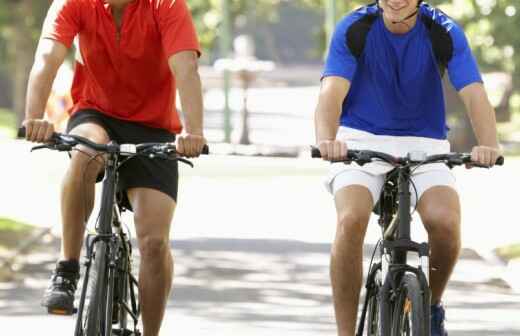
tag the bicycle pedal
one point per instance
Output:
(62, 311)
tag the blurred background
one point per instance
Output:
(253, 227)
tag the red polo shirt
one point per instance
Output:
(126, 77)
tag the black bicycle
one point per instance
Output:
(108, 295)
(397, 298)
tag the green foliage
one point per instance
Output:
(7, 123)
(13, 226)
(208, 16)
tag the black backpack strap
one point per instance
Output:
(442, 44)
(357, 34)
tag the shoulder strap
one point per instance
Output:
(442, 43)
(357, 35)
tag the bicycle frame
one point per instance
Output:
(109, 218)
(396, 243)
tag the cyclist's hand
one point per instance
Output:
(38, 130)
(190, 145)
(485, 155)
(332, 150)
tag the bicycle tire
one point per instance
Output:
(373, 317)
(95, 319)
(409, 316)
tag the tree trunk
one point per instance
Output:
(21, 48)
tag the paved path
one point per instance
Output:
(264, 287)
(229, 284)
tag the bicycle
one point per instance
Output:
(108, 294)
(397, 298)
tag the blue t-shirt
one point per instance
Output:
(396, 86)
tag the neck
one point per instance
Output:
(119, 7)
(402, 26)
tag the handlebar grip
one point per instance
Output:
(205, 150)
(315, 152)
(21, 132)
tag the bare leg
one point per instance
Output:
(353, 206)
(439, 208)
(77, 195)
(153, 215)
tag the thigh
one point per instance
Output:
(90, 125)
(369, 187)
(424, 181)
(153, 212)
(85, 125)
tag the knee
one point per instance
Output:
(85, 166)
(153, 248)
(352, 226)
(443, 226)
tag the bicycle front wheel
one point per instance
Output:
(96, 310)
(374, 302)
(410, 317)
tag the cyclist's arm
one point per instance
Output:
(49, 56)
(184, 66)
(481, 113)
(333, 91)
(332, 94)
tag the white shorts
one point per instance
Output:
(372, 175)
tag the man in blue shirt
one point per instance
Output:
(381, 89)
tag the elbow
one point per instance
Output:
(188, 69)
(45, 63)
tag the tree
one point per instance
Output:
(20, 23)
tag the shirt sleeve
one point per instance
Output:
(340, 61)
(462, 68)
(62, 22)
(176, 27)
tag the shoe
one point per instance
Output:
(59, 296)
(438, 315)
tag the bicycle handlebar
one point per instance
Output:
(362, 157)
(65, 142)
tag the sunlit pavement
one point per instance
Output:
(226, 283)
(261, 287)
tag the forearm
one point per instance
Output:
(190, 92)
(38, 90)
(326, 119)
(482, 116)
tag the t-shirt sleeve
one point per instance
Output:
(62, 22)
(462, 68)
(176, 27)
(340, 61)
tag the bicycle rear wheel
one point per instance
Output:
(410, 316)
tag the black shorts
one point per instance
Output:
(138, 172)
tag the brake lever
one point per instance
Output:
(58, 147)
(35, 148)
(185, 161)
(478, 165)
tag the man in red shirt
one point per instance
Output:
(131, 56)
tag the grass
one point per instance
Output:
(509, 252)
(11, 232)
(7, 123)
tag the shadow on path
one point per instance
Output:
(278, 284)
